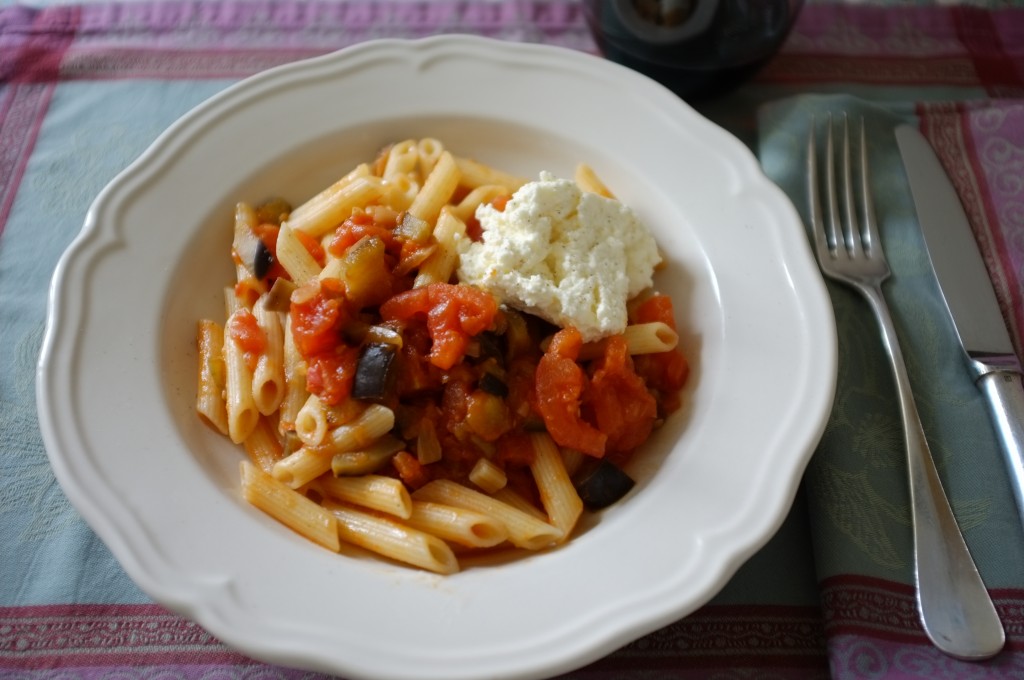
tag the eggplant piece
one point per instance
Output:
(375, 372)
(366, 274)
(262, 260)
(490, 347)
(279, 299)
(413, 228)
(273, 211)
(605, 484)
(492, 384)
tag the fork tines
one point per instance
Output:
(849, 222)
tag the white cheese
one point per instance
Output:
(571, 257)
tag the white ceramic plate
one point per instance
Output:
(117, 371)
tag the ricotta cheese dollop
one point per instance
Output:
(568, 256)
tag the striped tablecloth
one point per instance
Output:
(85, 88)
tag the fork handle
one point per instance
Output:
(956, 611)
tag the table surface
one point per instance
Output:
(84, 88)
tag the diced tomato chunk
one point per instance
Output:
(410, 470)
(356, 228)
(317, 320)
(454, 314)
(312, 246)
(622, 407)
(330, 374)
(664, 372)
(246, 333)
(560, 383)
(656, 308)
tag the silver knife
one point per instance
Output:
(967, 290)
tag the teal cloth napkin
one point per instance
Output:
(857, 485)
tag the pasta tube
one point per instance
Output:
(392, 539)
(289, 507)
(524, 530)
(210, 393)
(457, 525)
(557, 493)
(376, 492)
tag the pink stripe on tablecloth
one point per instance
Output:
(916, 46)
(62, 636)
(888, 609)
(873, 631)
(204, 39)
(33, 42)
(22, 108)
(856, 657)
(32, 45)
(785, 638)
(982, 148)
(996, 136)
(865, 30)
(978, 30)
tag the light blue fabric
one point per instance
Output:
(91, 132)
(857, 483)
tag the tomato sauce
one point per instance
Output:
(245, 332)
(471, 371)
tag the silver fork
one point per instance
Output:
(954, 606)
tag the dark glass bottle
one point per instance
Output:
(698, 48)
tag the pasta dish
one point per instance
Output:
(387, 399)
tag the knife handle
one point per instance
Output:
(1005, 395)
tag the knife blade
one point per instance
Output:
(967, 291)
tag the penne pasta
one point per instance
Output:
(641, 338)
(524, 530)
(478, 196)
(242, 414)
(557, 493)
(376, 492)
(268, 383)
(294, 256)
(289, 507)
(210, 392)
(399, 192)
(437, 189)
(392, 539)
(429, 150)
(370, 425)
(302, 214)
(440, 265)
(403, 159)
(457, 525)
(295, 394)
(475, 174)
(262, 445)
(587, 180)
(301, 467)
(516, 500)
(650, 338)
(311, 421)
(309, 462)
(326, 214)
